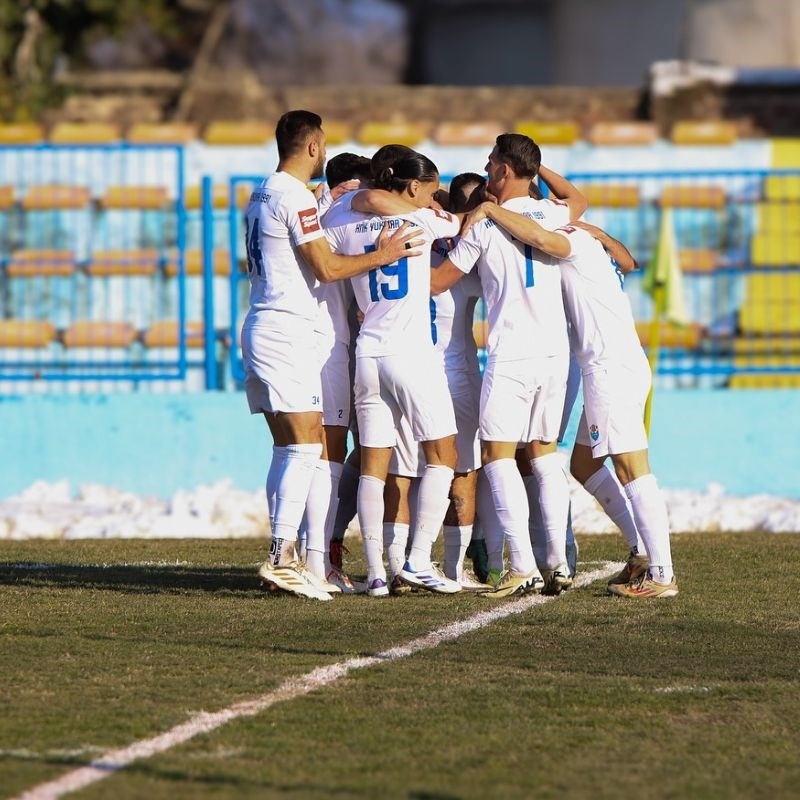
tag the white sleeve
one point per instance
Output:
(302, 216)
(466, 253)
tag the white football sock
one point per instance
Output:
(370, 520)
(395, 539)
(456, 542)
(607, 490)
(511, 507)
(488, 525)
(554, 505)
(535, 523)
(432, 503)
(652, 522)
(275, 467)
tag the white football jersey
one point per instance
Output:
(395, 298)
(602, 326)
(521, 285)
(281, 215)
(452, 317)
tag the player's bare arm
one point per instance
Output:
(444, 276)
(621, 255)
(528, 231)
(564, 190)
(384, 203)
(329, 266)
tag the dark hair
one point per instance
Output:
(345, 167)
(294, 129)
(520, 152)
(414, 167)
(387, 155)
(459, 199)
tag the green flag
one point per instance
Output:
(664, 273)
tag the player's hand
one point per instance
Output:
(478, 214)
(345, 187)
(401, 244)
(593, 230)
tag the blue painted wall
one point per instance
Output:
(155, 444)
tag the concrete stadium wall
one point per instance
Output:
(156, 444)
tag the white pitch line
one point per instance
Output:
(205, 722)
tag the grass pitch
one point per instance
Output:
(106, 643)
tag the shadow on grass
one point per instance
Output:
(130, 577)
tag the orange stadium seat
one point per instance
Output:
(193, 263)
(377, 134)
(219, 196)
(467, 133)
(32, 263)
(671, 335)
(86, 333)
(26, 333)
(55, 196)
(623, 133)
(84, 133)
(611, 195)
(6, 197)
(238, 132)
(161, 133)
(704, 132)
(164, 333)
(699, 259)
(141, 197)
(480, 332)
(106, 263)
(21, 133)
(337, 131)
(693, 196)
(562, 132)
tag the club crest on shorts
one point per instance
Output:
(594, 433)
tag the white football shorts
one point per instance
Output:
(337, 389)
(523, 401)
(407, 458)
(388, 387)
(465, 391)
(573, 385)
(281, 371)
(613, 409)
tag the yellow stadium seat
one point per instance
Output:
(106, 263)
(6, 197)
(704, 132)
(86, 333)
(785, 153)
(693, 196)
(611, 195)
(377, 134)
(699, 259)
(769, 380)
(141, 197)
(39, 262)
(26, 333)
(672, 335)
(467, 133)
(337, 131)
(561, 132)
(161, 133)
(758, 345)
(21, 133)
(84, 133)
(778, 218)
(623, 133)
(782, 187)
(238, 132)
(193, 263)
(55, 195)
(775, 250)
(771, 303)
(165, 333)
(192, 196)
